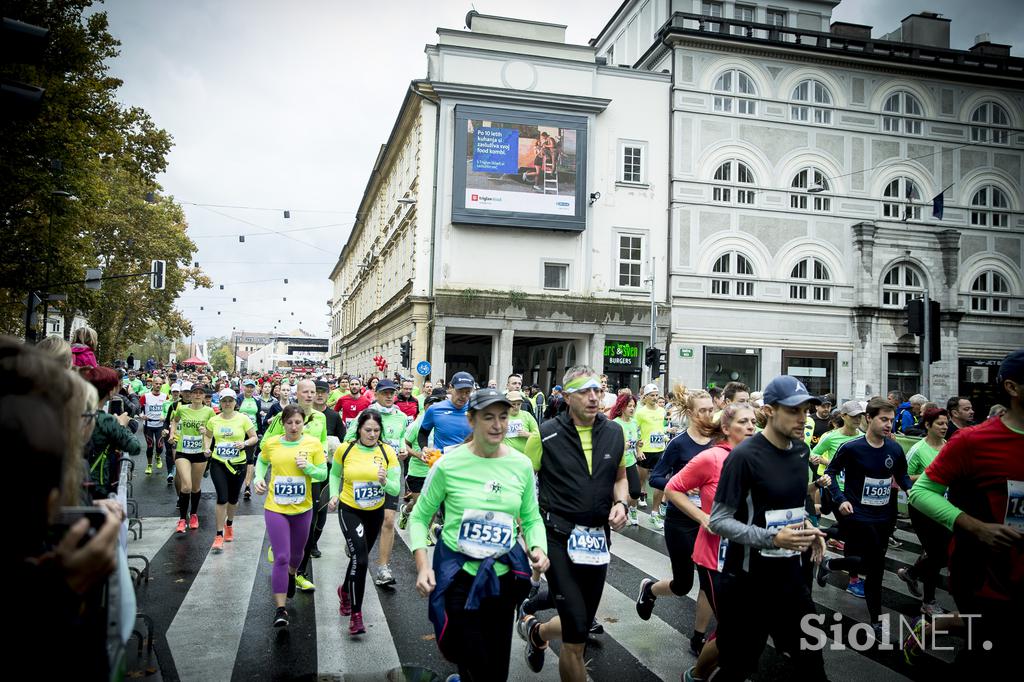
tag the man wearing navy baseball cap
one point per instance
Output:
(759, 509)
(982, 468)
(448, 419)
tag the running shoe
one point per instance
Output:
(658, 521)
(170, 479)
(912, 644)
(823, 572)
(229, 533)
(291, 585)
(193, 522)
(534, 590)
(856, 589)
(454, 677)
(355, 625)
(534, 653)
(596, 628)
(881, 633)
(281, 617)
(247, 495)
(182, 525)
(688, 675)
(315, 552)
(344, 604)
(159, 462)
(149, 469)
(932, 609)
(403, 516)
(836, 545)
(642, 503)
(384, 577)
(522, 620)
(894, 543)
(633, 518)
(270, 555)
(303, 583)
(218, 544)
(433, 533)
(913, 586)
(645, 600)
(696, 643)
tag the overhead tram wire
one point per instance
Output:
(262, 208)
(267, 229)
(262, 234)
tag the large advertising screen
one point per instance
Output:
(519, 169)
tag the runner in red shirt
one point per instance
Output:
(982, 468)
(349, 406)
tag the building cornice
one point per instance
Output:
(520, 98)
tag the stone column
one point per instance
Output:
(504, 345)
(864, 281)
(595, 358)
(437, 342)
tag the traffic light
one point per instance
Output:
(916, 326)
(406, 354)
(156, 273)
(22, 44)
(654, 358)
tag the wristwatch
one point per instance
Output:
(624, 505)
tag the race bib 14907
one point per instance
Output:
(588, 546)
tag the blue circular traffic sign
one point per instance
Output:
(423, 368)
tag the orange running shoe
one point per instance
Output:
(193, 522)
(218, 544)
(229, 533)
(181, 526)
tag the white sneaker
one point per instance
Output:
(384, 576)
(642, 503)
(657, 522)
(632, 518)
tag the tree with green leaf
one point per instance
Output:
(73, 188)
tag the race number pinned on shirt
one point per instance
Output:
(877, 492)
(778, 518)
(588, 546)
(515, 428)
(485, 534)
(694, 498)
(227, 452)
(656, 439)
(191, 445)
(723, 547)
(289, 489)
(1015, 505)
(367, 494)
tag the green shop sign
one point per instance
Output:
(622, 354)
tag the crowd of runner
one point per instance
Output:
(761, 495)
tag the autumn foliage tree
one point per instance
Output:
(74, 183)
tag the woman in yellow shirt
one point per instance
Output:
(364, 471)
(295, 461)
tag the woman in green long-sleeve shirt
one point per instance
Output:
(364, 471)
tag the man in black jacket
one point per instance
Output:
(582, 490)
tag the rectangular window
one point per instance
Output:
(742, 13)
(720, 194)
(720, 287)
(556, 276)
(799, 113)
(712, 9)
(632, 163)
(776, 17)
(630, 260)
(745, 196)
(723, 103)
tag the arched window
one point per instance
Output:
(988, 206)
(813, 281)
(806, 179)
(811, 102)
(899, 197)
(731, 273)
(729, 174)
(737, 89)
(990, 293)
(902, 113)
(994, 119)
(901, 284)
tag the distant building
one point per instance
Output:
(288, 352)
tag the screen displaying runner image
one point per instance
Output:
(511, 163)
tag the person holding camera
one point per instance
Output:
(112, 433)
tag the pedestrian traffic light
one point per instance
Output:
(156, 273)
(406, 354)
(654, 358)
(933, 332)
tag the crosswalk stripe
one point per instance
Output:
(156, 531)
(207, 628)
(337, 652)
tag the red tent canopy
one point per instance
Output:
(195, 361)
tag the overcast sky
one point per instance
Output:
(283, 105)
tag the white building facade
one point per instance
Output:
(511, 220)
(804, 159)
